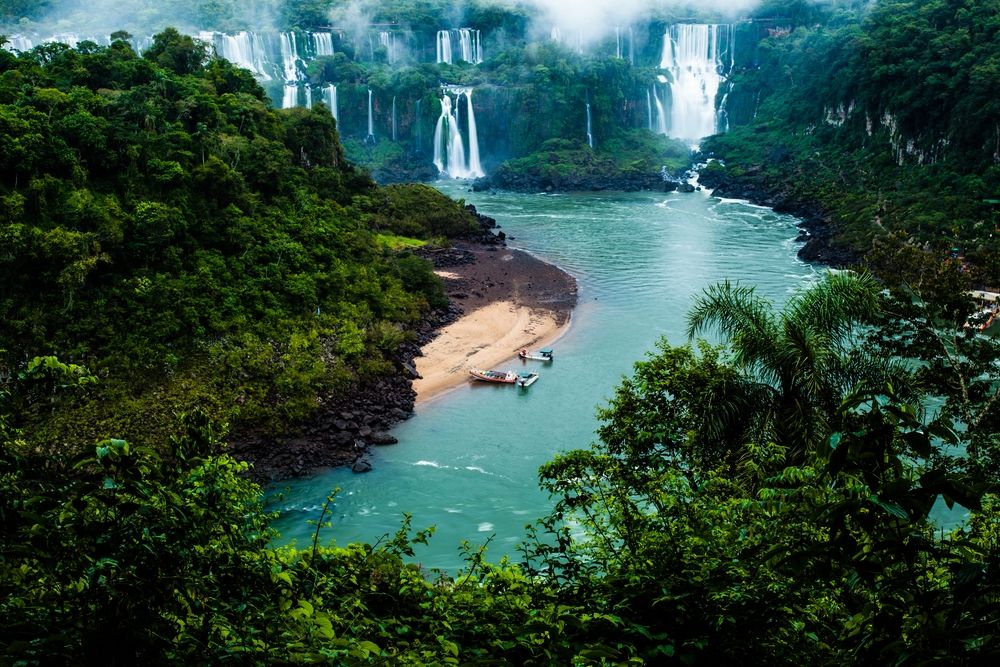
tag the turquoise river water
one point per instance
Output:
(467, 461)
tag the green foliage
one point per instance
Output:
(164, 226)
(884, 122)
(827, 557)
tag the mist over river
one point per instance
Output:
(467, 461)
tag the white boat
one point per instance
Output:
(502, 377)
(539, 355)
(525, 380)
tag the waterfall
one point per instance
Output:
(388, 40)
(470, 45)
(631, 47)
(309, 96)
(444, 46)
(371, 120)
(394, 118)
(618, 42)
(331, 101)
(443, 142)
(692, 53)
(18, 43)
(661, 114)
(245, 49)
(590, 136)
(475, 169)
(289, 58)
(449, 149)
(556, 35)
(323, 43)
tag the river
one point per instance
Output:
(467, 461)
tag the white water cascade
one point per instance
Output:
(475, 168)
(449, 149)
(444, 46)
(323, 43)
(692, 53)
(662, 124)
(289, 65)
(472, 50)
(331, 100)
(371, 120)
(590, 135)
(246, 49)
(388, 40)
(394, 118)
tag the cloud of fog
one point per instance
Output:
(588, 20)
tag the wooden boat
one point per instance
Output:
(539, 355)
(525, 380)
(502, 377)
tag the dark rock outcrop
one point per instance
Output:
(818, 230)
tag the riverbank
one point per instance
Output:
(819, 232)
(510, 300)
(500, 300)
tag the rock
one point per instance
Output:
(382, 438)
(365, 431)
(361, 465)
(685, 187)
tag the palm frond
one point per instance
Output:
(740, 316)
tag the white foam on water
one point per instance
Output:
(485, 527)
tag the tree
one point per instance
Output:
(796, 365)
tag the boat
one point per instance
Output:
(525, 380)
(539, 355)
(502, 377)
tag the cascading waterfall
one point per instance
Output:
(449, 149)
(394, 118)
(618, 42)
(631, 46)
(447, 159)
(692, 53)
(444, 46)
(289, 64)
(475, 168)
(556, 35)
(331, 101)
(323, 43)
(388, 40)
(661, 113)
(471, 46)
(371, 120)
(245, 49)
(309, 96)
(590, 135)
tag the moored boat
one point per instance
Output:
(538, 355)
(525, 380)
(502, 377)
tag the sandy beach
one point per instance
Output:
(510, 300)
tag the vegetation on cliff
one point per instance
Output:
(884, 121)
(164, 227)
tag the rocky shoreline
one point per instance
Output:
(818, 231)
(524, 182)
(348, 424)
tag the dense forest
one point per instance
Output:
(882, 121)
(179, 260)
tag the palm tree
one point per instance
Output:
(799, 363)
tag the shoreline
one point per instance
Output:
(509, 299)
